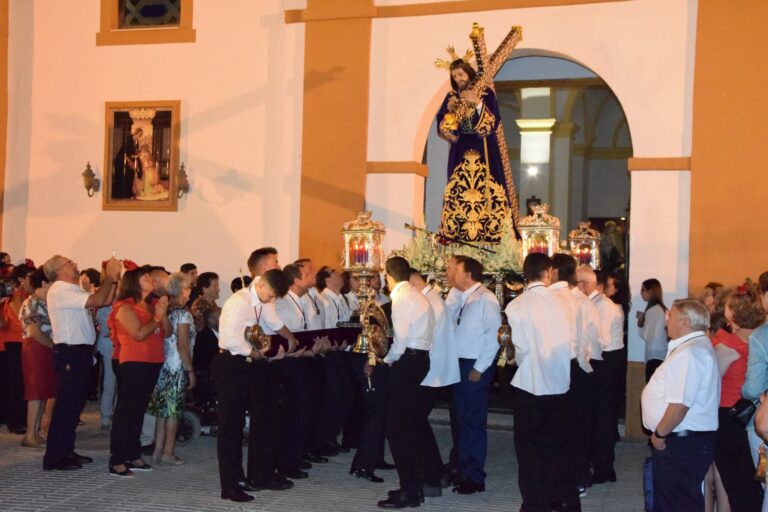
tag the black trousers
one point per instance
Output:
(137, 380)
(650, 368)
(72, 363)
(607, 397)
(370, 449)
(431, 462)
(403, 418)
(539, 439)
(16, 417)
(299, 410)
(336, 401)
(678, 471)
(265, 425)
(353, 425)
(232, 375)
(578, 429)
(735, 465)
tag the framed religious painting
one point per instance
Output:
(141, 155)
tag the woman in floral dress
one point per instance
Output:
(177, 374)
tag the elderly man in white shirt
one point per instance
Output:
(608, 379)
(680, 404)
(475, 313)
(413, 323)
(543, 335)
(242, 378)
(443, 372)
(73, 337)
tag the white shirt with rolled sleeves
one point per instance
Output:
(560, 289)
(71, 322)
(591, 327)
(314, 307)
(413, 321)
(542, 337)
(443, 361)
(689, 376)
(611, 322)
(291, 310)
(336, 309)
(476, 335)
(244, 309)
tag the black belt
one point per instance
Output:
(415, 351)
(81, 346)
(245, 359)
(689, 433)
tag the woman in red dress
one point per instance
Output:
(37, 362)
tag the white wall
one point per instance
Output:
(240, 87)
(642, 49)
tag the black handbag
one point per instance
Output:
(742, 411)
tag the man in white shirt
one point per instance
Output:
(680, 406)
(543, 334)
(73, 337)
(608, 379)
(240, 382)
(313, 304)
(475, 313)
(443, 372)
(413, 324)
(330, 282)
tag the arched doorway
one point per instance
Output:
(578, 167)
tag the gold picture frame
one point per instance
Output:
(141, 155)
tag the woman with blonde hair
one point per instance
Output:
(177, 374)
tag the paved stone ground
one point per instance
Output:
(24, 486)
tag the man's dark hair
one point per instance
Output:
(535, 264)
(257, 255)
(416, 272)
(276, 280)
(237, 283)
(322, 276)
(467, 68)
(188, 267)
(302, 261)
(205, 279)
(152, 268)
(399, 268)
(94, 276)
(292, 273)
(565, 265)
(37, 278)
(473, 267)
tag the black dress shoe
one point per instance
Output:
(295, 474)
(64, 465)
(384, 465)
(138, 467)
(601, 478)
(305, 465)
(82, 459)
(237, 495)
(315, 458)
(124, 473)
(401, 500)
(468, 487)
(340, 447)
(366, 474)
(327, 451)
(245, 485)
(274, 484)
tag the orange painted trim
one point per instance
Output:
(679, 163)
(397, 168)
(426, 9)
(3, 103)
(110, 35)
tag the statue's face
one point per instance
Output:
(460, 77)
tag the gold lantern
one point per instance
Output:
(540, 231)
(364, 257)
(585, 245)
